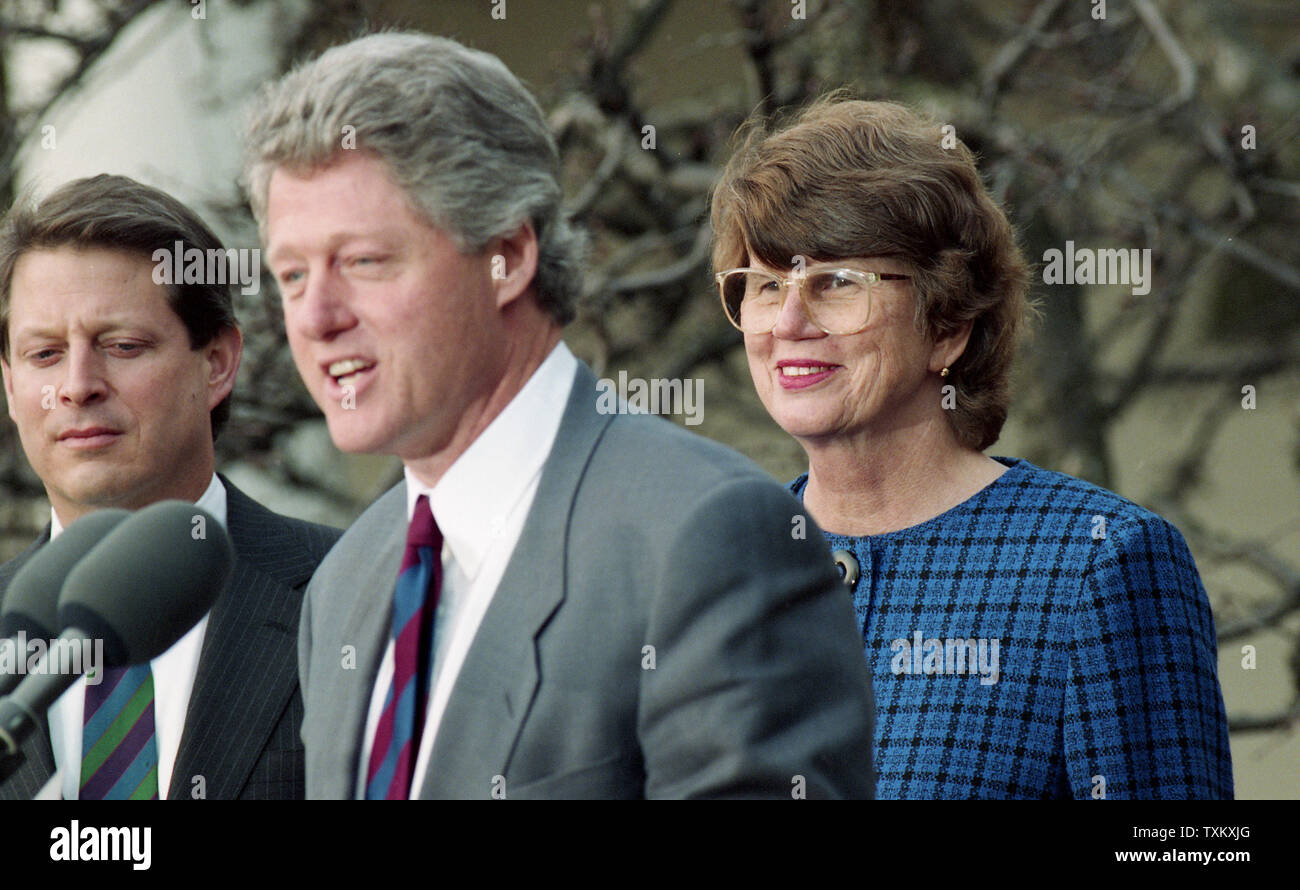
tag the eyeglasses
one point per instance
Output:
(837, 300)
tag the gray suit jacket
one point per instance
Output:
(641, 535)
(241, 727)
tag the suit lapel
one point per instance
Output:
(247, 668)
(498, 680)
(368, 627)
(38, 763)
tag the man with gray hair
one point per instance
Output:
(555, 602)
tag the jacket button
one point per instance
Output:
(847, 563)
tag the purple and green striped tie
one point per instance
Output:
(397, 737)
(119, 751)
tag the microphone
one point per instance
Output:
(148, 582)
(30, 609)
(139, 590)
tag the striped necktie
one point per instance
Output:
(119, 751)
(397, 737)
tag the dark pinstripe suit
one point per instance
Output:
(241, 729)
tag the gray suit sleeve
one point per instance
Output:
(760, 686)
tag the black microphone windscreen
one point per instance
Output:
(149, 581)
(31, 602)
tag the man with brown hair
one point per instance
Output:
(118, 385)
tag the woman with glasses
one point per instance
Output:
(1030, 634)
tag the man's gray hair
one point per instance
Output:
(455, 129)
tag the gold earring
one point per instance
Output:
(943, 373)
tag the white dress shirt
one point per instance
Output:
(480, 505)
(173, 678)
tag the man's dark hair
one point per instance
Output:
(118, 213)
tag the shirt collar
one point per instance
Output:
(213, 500)
(474, 498)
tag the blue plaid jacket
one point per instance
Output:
(1046, 638)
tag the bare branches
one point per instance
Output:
(1009, 56)
(1287, 719)
(89, 50)
(1285, 273)
(1206, 372)
(632, 40)
(672, 273)
(1173, 49)
(82, 45)
(615, 144)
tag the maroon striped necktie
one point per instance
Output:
(396, 744)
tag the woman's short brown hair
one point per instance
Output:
(847, 178)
